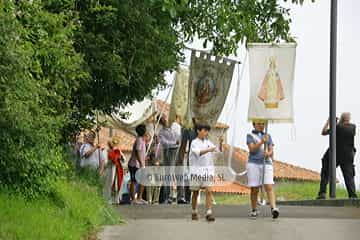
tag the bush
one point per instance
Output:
(39, 71)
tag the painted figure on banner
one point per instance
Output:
(271, 91)
(205, 88)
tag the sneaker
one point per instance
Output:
(275, 213)
(353, 197)
(254, 214)
(182, 201)
(261, 202)
(195, 216)
(210, 218)
(321, 196)
(144, 201)
(137, 202)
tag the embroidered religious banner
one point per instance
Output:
(271, 81)
(209, 83)
(180, 94)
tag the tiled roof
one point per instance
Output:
(221, 125)
(231, 188)
(127, 140)
(285, 171)
(282, 170)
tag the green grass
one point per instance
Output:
(227, 199)
(303, 191)
(72, 212)
(284, 191)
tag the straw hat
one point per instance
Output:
(115, 140)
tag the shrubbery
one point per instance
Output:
(39, 70)
(71, 212)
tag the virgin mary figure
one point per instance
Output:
(271, 91)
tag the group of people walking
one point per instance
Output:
(172, 145)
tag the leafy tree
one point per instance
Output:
(62, 59)
(129, 44)
(39, 71)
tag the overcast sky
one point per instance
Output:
(301, 143)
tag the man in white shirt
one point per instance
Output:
(176, 128)
(90, 154)
(170, 144)
(202, 169)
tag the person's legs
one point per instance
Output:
(132, 171)
(156, 194)
(268, 185)
(149, 194)
(324, 176)
(180, 184)
(194, 198)
(173, 192)
(271, 195)
(173, 156)
(254, 191)
(187, 194)
(348, 171)
(141, 192)
(181, 192)
(166, 188)
(132, 190)
(254, 175)
(209, 199)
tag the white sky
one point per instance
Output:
(301, 143)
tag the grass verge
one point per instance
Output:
(284, 192)
(74, 210)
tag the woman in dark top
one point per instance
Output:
(345, 152)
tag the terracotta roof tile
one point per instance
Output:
(127, 140)
(221, 125)
(232, 188)
(282, 170)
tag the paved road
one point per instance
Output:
(297, 223)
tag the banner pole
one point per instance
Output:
(263, 170)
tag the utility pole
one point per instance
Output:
(333, 43)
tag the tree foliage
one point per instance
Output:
(127, 45)
(60, 60)
(39, 71)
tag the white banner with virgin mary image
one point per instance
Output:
(209, 83)
(271, 81)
